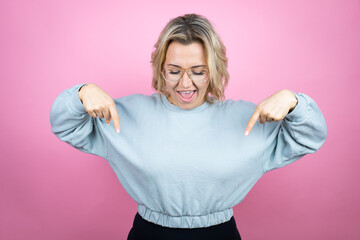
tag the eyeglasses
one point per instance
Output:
(196, 74)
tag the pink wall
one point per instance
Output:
(49, 190)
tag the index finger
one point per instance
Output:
(252, 121)
(115, 117)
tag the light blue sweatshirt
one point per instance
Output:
(188, 168)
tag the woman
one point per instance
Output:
(184, 154)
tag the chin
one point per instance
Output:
(189, 105)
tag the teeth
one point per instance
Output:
(186, 91)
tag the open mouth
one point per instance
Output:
(186, 96)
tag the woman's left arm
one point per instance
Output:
(298, 127)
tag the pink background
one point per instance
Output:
(49, 190)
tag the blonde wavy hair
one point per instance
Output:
(187, 29)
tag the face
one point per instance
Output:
(186, 56)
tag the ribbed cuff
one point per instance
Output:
(74, 103)
(300, 111)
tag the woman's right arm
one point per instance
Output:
(73, 117)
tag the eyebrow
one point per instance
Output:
(181, 67)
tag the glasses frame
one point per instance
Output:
(183, 70)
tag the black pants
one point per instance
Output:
(144, 230)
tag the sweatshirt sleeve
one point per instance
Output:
(72, 124)
(302, 131)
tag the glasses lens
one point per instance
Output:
(198, 74)
(172, 74)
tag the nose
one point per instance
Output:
(185, 81)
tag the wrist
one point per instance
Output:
(294, 102)
(80, 92)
